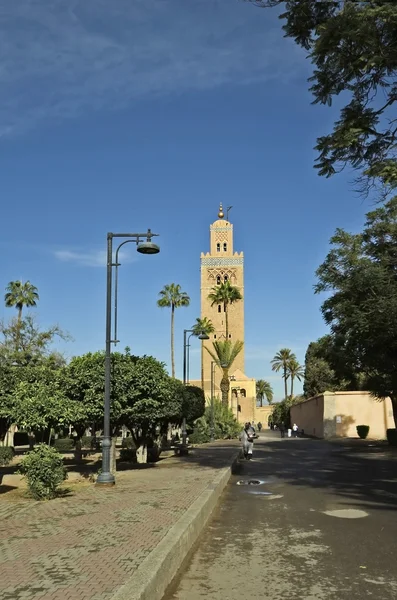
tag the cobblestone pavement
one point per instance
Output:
(85, 546)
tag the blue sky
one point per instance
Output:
(147, 113)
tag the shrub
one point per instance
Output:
(6, 455)
(88, 441)
(392, 437)
(21, 438)
(225, 425)
(363, 431)
(44, 471)
(128, 442)
(64, 444)
(128, 455)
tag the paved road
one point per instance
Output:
(301, 540)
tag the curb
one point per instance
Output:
(158, 569)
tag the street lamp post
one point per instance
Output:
(186, 348)
(144, 245)
(213, 363)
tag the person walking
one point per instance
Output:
(295, 429)
(259, 426)
(282, 429)
(247, 439)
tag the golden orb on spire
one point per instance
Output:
(221, 213)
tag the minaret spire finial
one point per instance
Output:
(221, 213)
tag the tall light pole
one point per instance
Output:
(213, 363)
(144, 245)
(186, 347)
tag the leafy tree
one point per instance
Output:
(171, 296)
(352, 47)
(264, 390)
(203, 326)
(295, 371)
(225, 424)
(359, 275)
(41, 405)
(224, 354)
(227, 294)
(281, 412)
(193, 403)
(281, 362)
(21, 294)
(24, 343)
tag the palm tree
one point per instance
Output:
(295, 371)
(281, 361)
(224, 355)
(225, 293)
(263, 388)
(202, 326)
(20, 294)
(172, 296)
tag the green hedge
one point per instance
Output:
(128, 442)
(64, 444)
(392, 437)
(44, 471)
(6, 455)
(363, 431)
(88, 441)
(128, 455)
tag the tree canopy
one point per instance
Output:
(359, 275)
(353, 50)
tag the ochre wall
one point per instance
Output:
(308, 415)
(337, 414)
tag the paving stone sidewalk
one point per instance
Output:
(87, 545)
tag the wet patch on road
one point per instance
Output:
(347, 513)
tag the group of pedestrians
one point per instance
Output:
(294, 431)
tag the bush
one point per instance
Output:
(193, 405)
(225, 425)
(21, 438)
(363, 431)
(392, 437)
(64, 444)
(128, 442)
(6, 455)
(128, 455)
(88, 441)
(44, 471)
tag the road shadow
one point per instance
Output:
(365, 477)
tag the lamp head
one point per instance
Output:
(203, 336)
(148, 248)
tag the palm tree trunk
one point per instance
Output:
(292, 387)
(225, 386)
(202, 365)
(172, 341)
(226, 320)
(20, 314)
(285, 383)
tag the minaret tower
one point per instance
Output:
(221, 264)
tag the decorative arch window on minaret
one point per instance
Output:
(225, 247)
(218, 247)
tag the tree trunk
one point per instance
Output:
(113, 453)
(285, 383)
(141, 454)
(393, 400)
(202, 365)
(172, 341)
(292, 387)
(225, 386)
(225, 307)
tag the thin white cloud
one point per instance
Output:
(92, 258)
(63, 58)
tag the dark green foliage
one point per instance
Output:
(362, 431)
(392, 437)
(128, 442)
(128, 455)
(44, 471)
(64, 444)
(360, 278)
(226, 426)
(6, 455)
(21, 438)
(352, 47)
(88, 441)
(193, 405)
